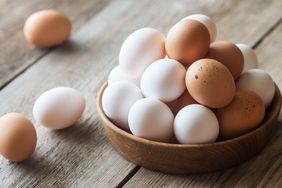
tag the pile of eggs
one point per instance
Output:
(186, 87)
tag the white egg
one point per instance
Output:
(117, 100)
(151, 119)
(258, 81)
(140, 49)
(250, 57)
(164, 80)
(117, 74)
(206, 21)
(59, 107)
(196, 124)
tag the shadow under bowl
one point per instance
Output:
(191, 158)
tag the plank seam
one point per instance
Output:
(267, 33)
(128, 176)
(48, 51)
(25, 69)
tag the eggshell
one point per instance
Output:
(258, 81)
(195, 124)
(210, 83)
(187, 41)
(59, 107)
(164, 80)
(151, 119)
(117, 100)
(47, 28)
(117, 74)
(184, 100)
(228, 54)
(17, 137)
(140, 49)
(207, 21)
(243, 114)
(250, 57)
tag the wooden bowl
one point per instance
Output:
(191, 158)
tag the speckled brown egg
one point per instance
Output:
(182, 101)
(228, 54)
(17, 137)
(242, 115)
(187, 41)
(210, 83)
(47, 28)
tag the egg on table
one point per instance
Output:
(47, 28)
(58, 108)
(210, 83)
(207, 21)
(187, 41)
(17, 137)
(117, 100)
(258, 81)
(196, 124)
(164, 80)
(250, 57)
(243, 114)
(151, 119)
(228, 54)
(140, 49)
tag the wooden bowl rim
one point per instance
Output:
(275, 108)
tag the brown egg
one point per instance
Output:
(210, 83)
(17, 137)
(242, 115)
(182, 101)
(47, 28)
(187, 41)
(228, 54)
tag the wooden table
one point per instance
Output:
(81, 156)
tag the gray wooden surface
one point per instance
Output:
(81, 156)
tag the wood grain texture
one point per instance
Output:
(81, 156)
(16, 54)
(265, 170)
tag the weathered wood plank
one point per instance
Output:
(16, 54)
(81, 156)
(269, 54)
(265, 170)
